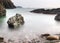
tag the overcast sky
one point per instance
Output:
(37, 3)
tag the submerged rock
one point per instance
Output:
(2, 11)
(7, 4)
(15, 21)
(57, 17)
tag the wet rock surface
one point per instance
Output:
(47, 11)
(8, 4)
(2, 11)
(15, 21)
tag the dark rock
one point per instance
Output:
(1, 39)
(15, 21)
(57, 17)
(8, 4)
(2, 11)
(47, 11)
(45, 35)
(38, 10)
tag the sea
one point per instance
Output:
(35, 24)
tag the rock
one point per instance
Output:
(47, 11)
(1, 39)
(45, 35)
(2, 11)
(52, 38)
(57, 17)
(38, 10)
(15, 21)
(7, 4)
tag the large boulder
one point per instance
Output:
(15, 21)
(57, 17)
(8, 4)
(2, 11)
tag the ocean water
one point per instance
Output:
(34, 24)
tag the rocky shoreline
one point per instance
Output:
(46, 11)
(37, 39)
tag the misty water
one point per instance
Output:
(34, 24)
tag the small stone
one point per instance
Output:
(52, 38)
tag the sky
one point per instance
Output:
(37, 3)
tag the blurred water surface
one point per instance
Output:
(34, 24)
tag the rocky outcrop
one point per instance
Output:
(57, 17)
(15, 21)
(2, 11)
(8, 4)
(47, 11)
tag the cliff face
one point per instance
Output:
(8, 4)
